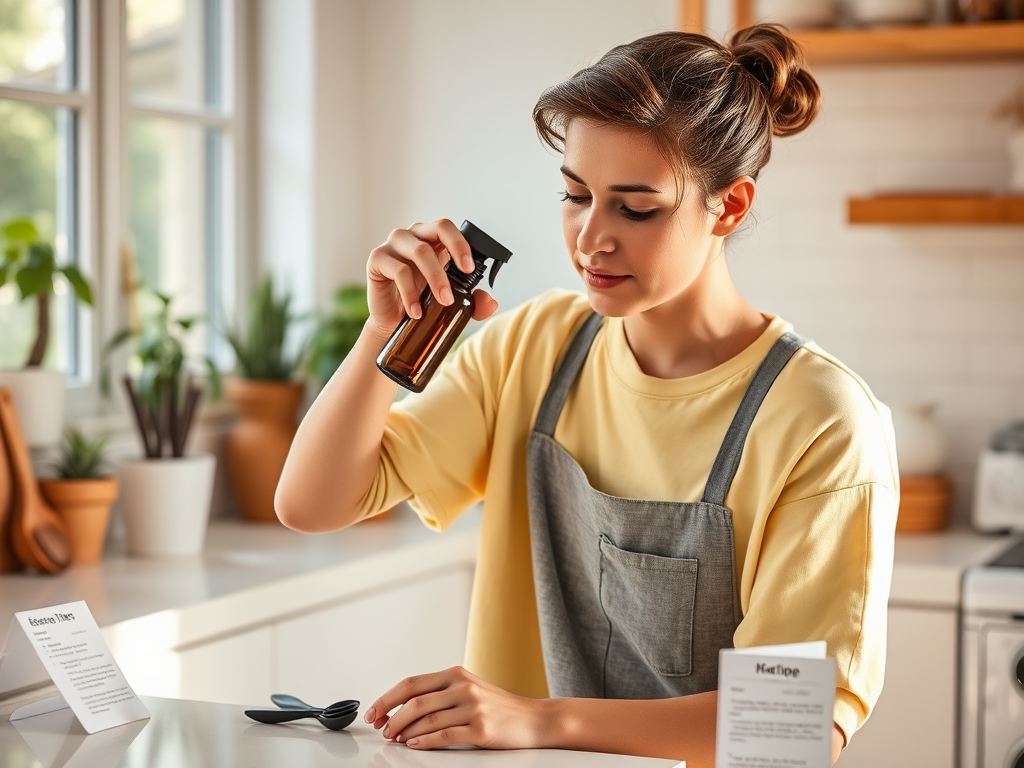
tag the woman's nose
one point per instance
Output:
(595, 236)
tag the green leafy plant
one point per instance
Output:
(336, 333)
(30, 262)
(260, 351)
(81, 457)
(163, 394)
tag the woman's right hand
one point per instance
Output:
(399, 269)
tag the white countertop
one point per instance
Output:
(189, 734)
(242, 578)
(928, 568)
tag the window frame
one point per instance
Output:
(104, 108)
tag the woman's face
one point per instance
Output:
(633, 248)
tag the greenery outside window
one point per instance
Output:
(120, 134)
(44, 99)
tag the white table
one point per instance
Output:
(190, 734)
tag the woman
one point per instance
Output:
(665, 470)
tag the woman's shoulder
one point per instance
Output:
(823, 381)
(840, 418)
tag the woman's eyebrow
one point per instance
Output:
(613, 187)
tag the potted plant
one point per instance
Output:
(165, 496)
(267, 399)
(29, 263)
(337, 332)
(82, 494)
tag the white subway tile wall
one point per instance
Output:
(922, 313)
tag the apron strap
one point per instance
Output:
(562, 381)
(728, 459)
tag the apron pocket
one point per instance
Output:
(649, 601)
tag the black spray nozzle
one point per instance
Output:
(484, 247)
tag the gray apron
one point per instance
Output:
(635, 598)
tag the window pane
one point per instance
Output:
(36, 181)
(174, 50)
(170, 212)
(34, 37)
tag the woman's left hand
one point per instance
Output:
(456, 707)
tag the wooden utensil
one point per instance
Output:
(37, 533)
(7, 560)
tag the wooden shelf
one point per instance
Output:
(953, 42)
(946, 42)
(939, 208)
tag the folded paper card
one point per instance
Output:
(65, 642)
(775, 706)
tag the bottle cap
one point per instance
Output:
(484, 247)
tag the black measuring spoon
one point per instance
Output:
(284, 701)
(335, 717)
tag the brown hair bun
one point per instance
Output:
(776, 61)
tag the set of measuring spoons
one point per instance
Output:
(336, 716)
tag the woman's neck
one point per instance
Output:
(696, 331)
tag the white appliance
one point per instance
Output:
(999, 491)
(992, 681)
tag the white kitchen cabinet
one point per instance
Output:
(232, 670)
(914, 722)
(355, 648)
(360, 648)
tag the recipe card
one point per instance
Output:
(775, 706)
(66, 641)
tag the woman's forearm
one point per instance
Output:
(334, 456)
(680, 728)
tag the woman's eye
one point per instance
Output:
(574, 199)
(632, 215)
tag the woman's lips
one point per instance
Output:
(596, 280)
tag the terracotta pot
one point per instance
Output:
(259, 442)
(84, 506)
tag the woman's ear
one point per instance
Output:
(734, 204)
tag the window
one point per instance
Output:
(119, 134)
(43, 101)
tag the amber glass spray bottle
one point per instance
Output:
(417, 347)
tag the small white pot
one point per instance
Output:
(166, 504)
(920, 439)
(1015, 145)
(39, 397)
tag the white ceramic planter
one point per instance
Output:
(39, 397)
(920, 440)
(166, 504)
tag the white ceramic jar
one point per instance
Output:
(920, 440)
(39, 398)
(166, 504)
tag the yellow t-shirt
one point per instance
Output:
(814, 499)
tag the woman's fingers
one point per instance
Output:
(425, 257)
(403, 276)
(451, 240)
(405, 690)
(424, 713)
(445, 737)
(484, 305)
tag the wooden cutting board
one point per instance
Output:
(7, 560)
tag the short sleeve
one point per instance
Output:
(436, 446)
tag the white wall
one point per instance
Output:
(444, 90)
(450, 85)
(922, 313)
